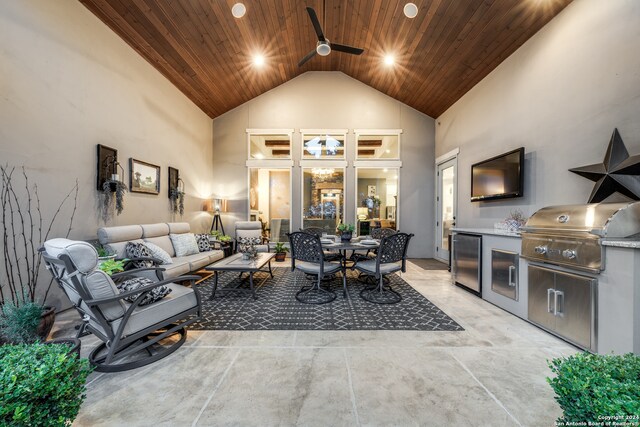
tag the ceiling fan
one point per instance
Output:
(324, 46)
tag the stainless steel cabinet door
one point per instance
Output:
(504, 273)
(541, 294)
(466, 260)
(573, 301)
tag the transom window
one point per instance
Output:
(323, 145)
(264, 146)
(383, 145)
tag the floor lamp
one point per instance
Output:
(218, 206)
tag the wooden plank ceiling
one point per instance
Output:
(442, 53)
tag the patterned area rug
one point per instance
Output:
(277, 308)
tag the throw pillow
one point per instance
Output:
(138, 250)
(155, 294)
(203, 242)
(184, 244)
(244, 243)
(159, 253)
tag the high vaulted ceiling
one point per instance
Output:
(442, 53)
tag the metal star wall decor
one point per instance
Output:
(617, 173)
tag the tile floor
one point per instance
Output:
(492, 374)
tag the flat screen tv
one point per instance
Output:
(499, 177)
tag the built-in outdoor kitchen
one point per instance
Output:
(571, 270)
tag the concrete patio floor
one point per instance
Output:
(492, 374)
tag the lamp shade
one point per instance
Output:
(363, 213)
(220, 205)
(207, 205)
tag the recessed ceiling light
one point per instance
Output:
(385, 170)
(389, 60)
(387, 151)
(410, 10)
(238, 10)
(258, 60)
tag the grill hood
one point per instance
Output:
(599, 219)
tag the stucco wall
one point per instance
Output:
(331, 100)
(560, 96)
(67, 83)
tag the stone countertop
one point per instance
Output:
(632, 242)
(490, 231)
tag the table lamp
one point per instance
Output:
(362, 213)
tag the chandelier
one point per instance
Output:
(322, 172)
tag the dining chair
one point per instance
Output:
(328, 255)
(307, 256)
(377, 234)
(391, 257)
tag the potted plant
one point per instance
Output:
(24, 230)
(104, 254)
(346, 231)
(281, 251)
(111, 187)
(112, 266)
(176, 196)
(595, 388)
(41, 385)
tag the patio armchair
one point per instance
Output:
(251, 229)
(307, 256)
(378, 234)
(317, 231)
(391, 257)
(132, 335)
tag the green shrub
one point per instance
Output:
(592, 387)
(112, 266)
(19, 323)
(40, 385)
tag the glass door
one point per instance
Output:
(445, 206)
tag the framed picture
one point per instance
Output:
(144, 177)
(107, 164)
(371, 190)
(174, 176)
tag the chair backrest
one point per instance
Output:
(248, 229)
(316, 231)
(305, 247)
(115, 239)
(393, 249)
(73, 265)
(381, 233)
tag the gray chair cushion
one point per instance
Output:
(83, 255)
(179, 300)
(370, 267)
(123, 233)
(100, 285)
(313, 268)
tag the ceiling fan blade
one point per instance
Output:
(346, 49)
(316, 23)
(307, 57)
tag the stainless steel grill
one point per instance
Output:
(570, 235)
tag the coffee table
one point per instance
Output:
(237, 264)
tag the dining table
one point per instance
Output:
(344, 246)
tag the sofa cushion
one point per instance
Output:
(215, 255)
(139, 250)
(164, 242)
(179, 227)
(184, 244)
(178, 301)
(194, 261)
(177, 268)
(155, 294)
(154, 230)
(203, 242)
(120, 248)
(123, 233)
(159, 253)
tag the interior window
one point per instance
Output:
(270, 201)
(323, 198)
(376, 198)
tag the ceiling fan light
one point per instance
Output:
(323, 49)
(238, 10)
(410, 10)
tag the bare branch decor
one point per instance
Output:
(176, 191)
(24, 230)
